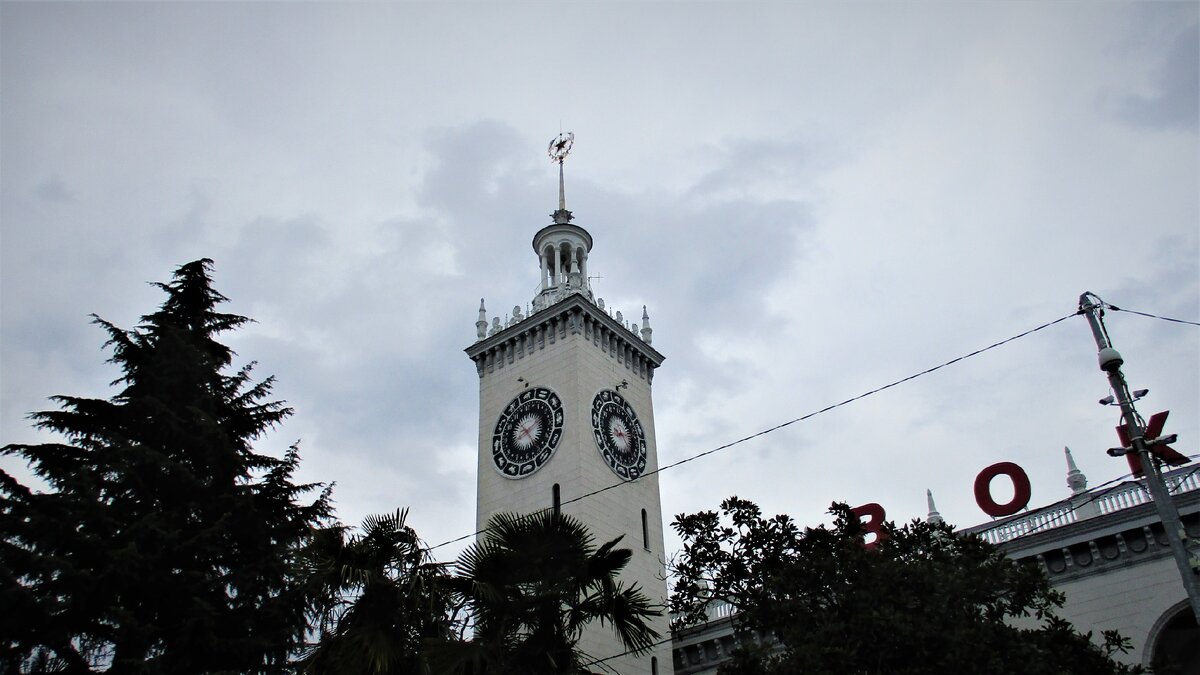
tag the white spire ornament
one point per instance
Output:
(1085, 505)
(481, 325)
(934, 516)
(1075, 478)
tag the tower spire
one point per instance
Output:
(562, 189)
(559, 148)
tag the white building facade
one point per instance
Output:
(1106, 551)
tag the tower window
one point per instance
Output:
(554, 493)
(653, 665)
(645, 531)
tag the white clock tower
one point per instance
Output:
(565, 410)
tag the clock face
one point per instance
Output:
(619, 435)
(527, 432)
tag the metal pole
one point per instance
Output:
(1110, 363)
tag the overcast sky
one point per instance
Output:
(813, 199)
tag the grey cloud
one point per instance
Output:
(1176, 102)
(275, 261)
(53, 190)
(749, 163)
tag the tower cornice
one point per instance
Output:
(573, 315)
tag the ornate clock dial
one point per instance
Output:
(527, 432)
(619, 435)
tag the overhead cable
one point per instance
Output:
(788, 423)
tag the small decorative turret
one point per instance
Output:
(934, 516)
(562, 248)
(481, 325)
(647, 331)
(1075, 478)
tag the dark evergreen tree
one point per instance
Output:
(926, 601)
(160, 542)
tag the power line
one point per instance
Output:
(1152, 316)
(777, 427)
(596, 662)
(1095, 495)
(1074, 507)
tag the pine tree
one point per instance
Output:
(161, 541)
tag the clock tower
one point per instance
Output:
(565, 410)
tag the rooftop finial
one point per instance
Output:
(559, 148)
(934, 516)
(481, 325)
(1075, 478)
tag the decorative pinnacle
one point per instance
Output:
(1075, 478)
(934, 516)
(481, 324)
(559, 148)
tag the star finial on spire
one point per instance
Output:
(559, 148)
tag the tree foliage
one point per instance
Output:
(159, 540)
(925, 601)
(377, 598)
(531, 584)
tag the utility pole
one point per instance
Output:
(1110, 362)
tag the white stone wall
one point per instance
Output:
(576, 368)
(1129, 600)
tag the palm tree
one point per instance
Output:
(531, 585)
(376, 597)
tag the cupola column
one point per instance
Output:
(544, 263)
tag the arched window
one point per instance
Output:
(653, 665)
(1172, 640)
(558, 499)
(645, 531)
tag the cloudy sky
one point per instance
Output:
(813, 199)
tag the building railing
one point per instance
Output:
(1086, 505)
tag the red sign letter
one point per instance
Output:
(874, 525)
(983, 489)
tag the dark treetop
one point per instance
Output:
(160, 541)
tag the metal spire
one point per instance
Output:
(559, 148)
(562, 190)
